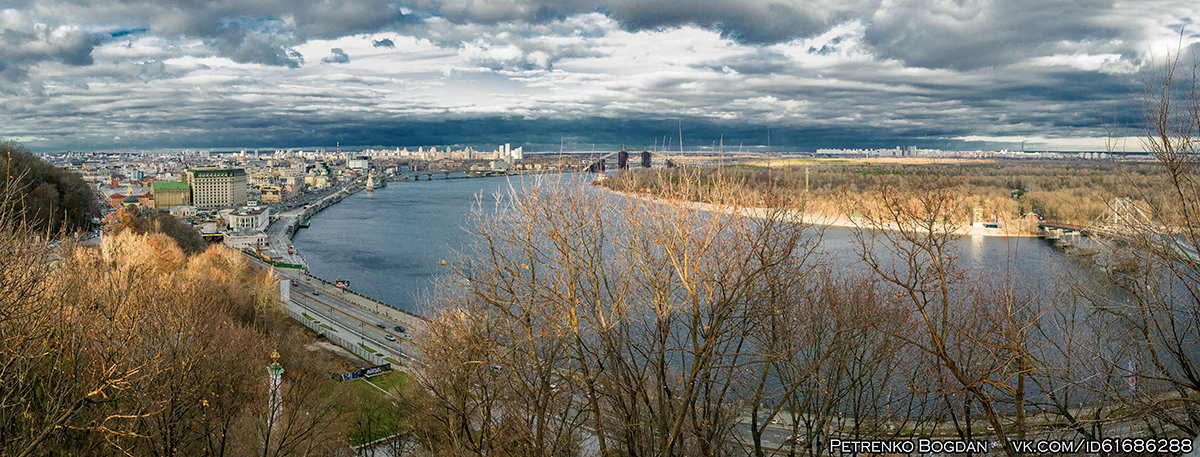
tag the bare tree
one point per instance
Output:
(973, 337)
(624, 322)
(1154, 364)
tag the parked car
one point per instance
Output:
(389, 337)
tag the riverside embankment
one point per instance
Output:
(289, 224)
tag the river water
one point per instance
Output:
(390, 243)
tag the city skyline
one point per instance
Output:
(105, 75)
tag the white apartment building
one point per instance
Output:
(242, 239)
(248, 218)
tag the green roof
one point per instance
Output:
(169, 185)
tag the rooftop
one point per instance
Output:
(248, 211)
(169, 185)
(217, 172)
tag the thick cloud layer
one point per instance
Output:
(246, 31)
(89, 74)
(23, 45)
(980, 33)
(753, 21)
(749, 21)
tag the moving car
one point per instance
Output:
(389, 337)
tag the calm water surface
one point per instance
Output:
(389, 243)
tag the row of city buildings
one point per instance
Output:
(913, 151)
(225, 197)
(230, 195)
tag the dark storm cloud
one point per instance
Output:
(497, 11)
(336, 18)
(336, 55)
(974, 34)
(244, 45)
(539, 136)
(246, 31)
(748, 21)
(20, 49)
(384, 43)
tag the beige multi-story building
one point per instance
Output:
(169, 194)
(271, 194)
(217, 186)
(316, 181)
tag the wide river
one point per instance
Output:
(389, 244)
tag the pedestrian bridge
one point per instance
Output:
(1123, 222)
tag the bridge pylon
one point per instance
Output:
(1122, 217)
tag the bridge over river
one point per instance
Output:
(1122, 222)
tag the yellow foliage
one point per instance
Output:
(153, 252)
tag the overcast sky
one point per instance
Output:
(108, 74)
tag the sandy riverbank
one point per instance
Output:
(825, 219)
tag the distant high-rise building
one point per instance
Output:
(217, 186)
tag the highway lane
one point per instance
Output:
(279, 240)
(333, 306)
(361, 322)
(345, 330)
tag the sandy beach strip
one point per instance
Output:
(825, 219)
